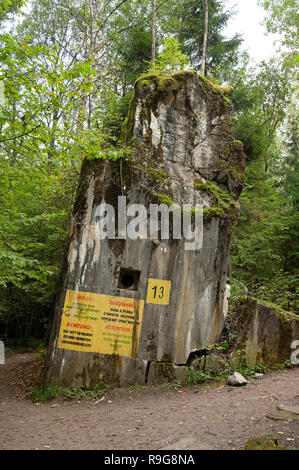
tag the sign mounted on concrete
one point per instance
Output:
(100, 323)
(158, 291)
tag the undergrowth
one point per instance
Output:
(42, 393)
(194, 376)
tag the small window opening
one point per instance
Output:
(128, 279)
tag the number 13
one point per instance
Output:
(161, 294)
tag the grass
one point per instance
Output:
(43, 393)
(194, 376)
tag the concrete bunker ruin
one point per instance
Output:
(135, 310)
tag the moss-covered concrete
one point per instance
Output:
(209, 87)
(224, 204)
(171, 128)
(128, 125)
(265, 333)
(155, 86)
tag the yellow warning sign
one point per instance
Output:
(100, 323)
(158, 291)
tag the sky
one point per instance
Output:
(248, 22)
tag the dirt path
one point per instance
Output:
(152, 418)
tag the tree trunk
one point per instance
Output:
(205, 39)
(154, 19)
(182, 22)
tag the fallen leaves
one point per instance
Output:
(26, 376)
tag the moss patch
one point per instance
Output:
(211, 88)
(287, 316)
(237, 145)
(165, 199)
(128, 125)
(156, 85)
(224, 206)
(233, 169)
(263, 443)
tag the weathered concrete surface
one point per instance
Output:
(2, 353)
(180, 130)
(267, 334)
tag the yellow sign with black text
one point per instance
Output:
(158, 291)
(101, 323)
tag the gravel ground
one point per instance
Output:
(151, 418)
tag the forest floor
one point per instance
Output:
(208, 416)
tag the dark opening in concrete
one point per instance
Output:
(128, 279)
(147, 371)
(196, 354)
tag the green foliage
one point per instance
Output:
(247, 371)
(49, 124)
(264, 249)
(170, 60)
(261, 97)
(134, 53)
(38, 177)
(164, 199)
(283, 18)
(176, 384)
(43, 393)
(259, 253)
(290, 185)
(221, 52)
(287, 364)
(238, 291)
(193, 376)
(7, 7)
(112, 115)
(115, 154)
